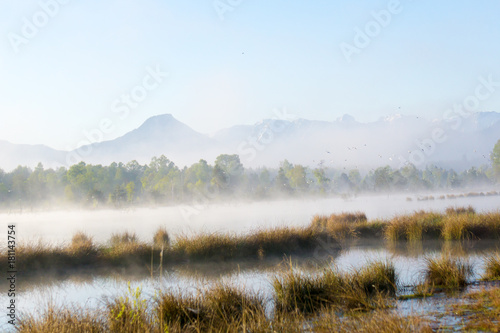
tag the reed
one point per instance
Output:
(364, 289)
(447, 272)
(492, 267)
(62, 320)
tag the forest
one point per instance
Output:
(162, 182)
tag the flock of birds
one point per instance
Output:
(390, 157)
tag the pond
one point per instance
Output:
(91, 290)
(60, 225)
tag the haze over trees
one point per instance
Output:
(495, 160)
(163, 182)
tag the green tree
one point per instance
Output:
(229, 171)
(282, 183)
(495, 160)
(298, 177)
(321, 179)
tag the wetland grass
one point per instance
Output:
(447, 272)
(126, 250)
(492, 267)
(363, 289)
(480, 312)
(415, 227)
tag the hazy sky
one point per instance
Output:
(65, 66)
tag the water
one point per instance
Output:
(91, 291)
(59, 226)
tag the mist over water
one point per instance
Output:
(59, 226)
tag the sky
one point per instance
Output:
(78, 71)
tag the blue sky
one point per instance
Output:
(263, 55)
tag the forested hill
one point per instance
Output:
(163, 182)
(455, 142)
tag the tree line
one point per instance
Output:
(162, 182)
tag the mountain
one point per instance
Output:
(12, 155)
(459, 142)
(158, 135)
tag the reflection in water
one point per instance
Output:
(89, 289)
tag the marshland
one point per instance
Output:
(402, 270)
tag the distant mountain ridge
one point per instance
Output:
(343, 143)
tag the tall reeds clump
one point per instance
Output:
(368, 288)
(229, 306)
(491, 225)
(278, 241)
(274, 241)
(220, 308)
(447, 272)
(377, 276)
(40, 256)
(161, 239)
(362, 289)
(82, 245)
(340, 226)
(414, 227)
(126, 248)
(296, 291)
(178, 312)
(492, 267)
(209, 246)
(62, 321)
(462, 226)
(128, 314)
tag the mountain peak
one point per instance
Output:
(346, 118)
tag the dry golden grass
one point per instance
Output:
(125, 249)
(414, 227)
(447, 272)
(480, 312)
(62, 321)
(161, 239)
(492, 268)
(363, 289)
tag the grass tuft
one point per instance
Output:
(161, 239)
(362, 289)
(447, 272)
(492, 267)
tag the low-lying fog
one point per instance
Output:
(59, 226)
